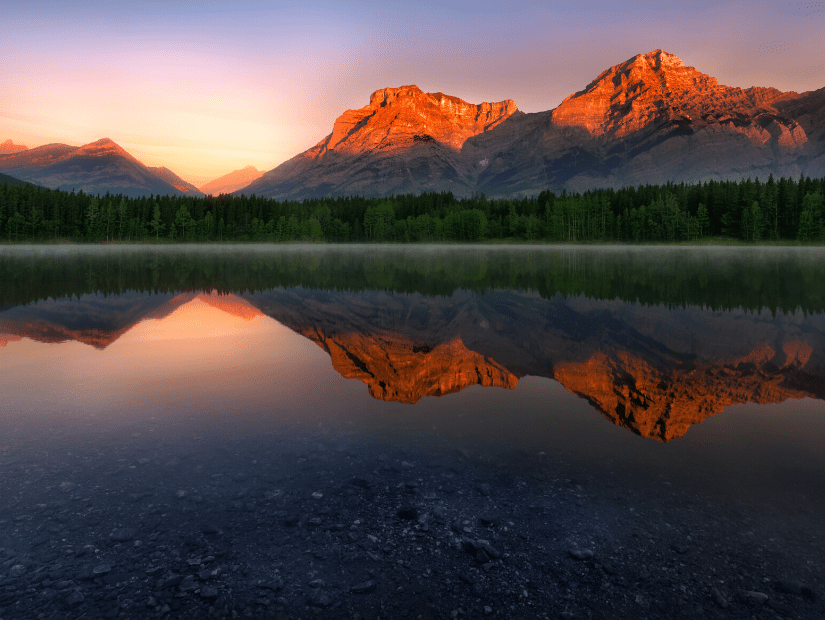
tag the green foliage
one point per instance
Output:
(811, 218)
(749, 210)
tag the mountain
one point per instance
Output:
(7, 180)
(176, 182)
(231, 182)
(22, 164)
(650, 119)
(94, 168)
(403, 141)
(10, 147)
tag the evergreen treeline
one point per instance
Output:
(783, 280)
(748, 210)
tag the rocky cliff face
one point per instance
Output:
(401, 117)
(650, 119)
(403, 141)
(656, 89)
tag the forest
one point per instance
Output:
(748, 210)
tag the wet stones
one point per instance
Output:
(581, 554)
(188, 584)
(209, 592)
(18, 570)
(407, 513)
(101, 569)
(74, 599)
(796, 588)
(481, 550)
(406, 546)
(363, 587)
(717, 597)
(122, 535)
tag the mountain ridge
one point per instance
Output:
(650, 119)
(232, 181)
(95, 168)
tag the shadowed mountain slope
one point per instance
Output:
(4, 178)
(175, 181)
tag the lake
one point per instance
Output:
(412, 431)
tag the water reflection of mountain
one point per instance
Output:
(99, 320)
(653, 370)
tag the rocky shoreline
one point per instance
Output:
(339, 527)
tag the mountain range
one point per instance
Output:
(650, 119)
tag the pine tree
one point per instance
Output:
(156, 224)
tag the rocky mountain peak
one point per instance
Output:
(384, 96)
(398, 118)
(646, 89)
(104, 147)
(661, 60)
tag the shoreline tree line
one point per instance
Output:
(749, 210)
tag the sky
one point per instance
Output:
(206, 87)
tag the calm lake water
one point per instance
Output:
(695, 371)
(705, 366)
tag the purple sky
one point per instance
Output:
(207, 87)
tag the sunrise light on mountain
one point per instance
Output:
(207, 88)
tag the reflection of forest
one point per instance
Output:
(652, 369)
(777, 279)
